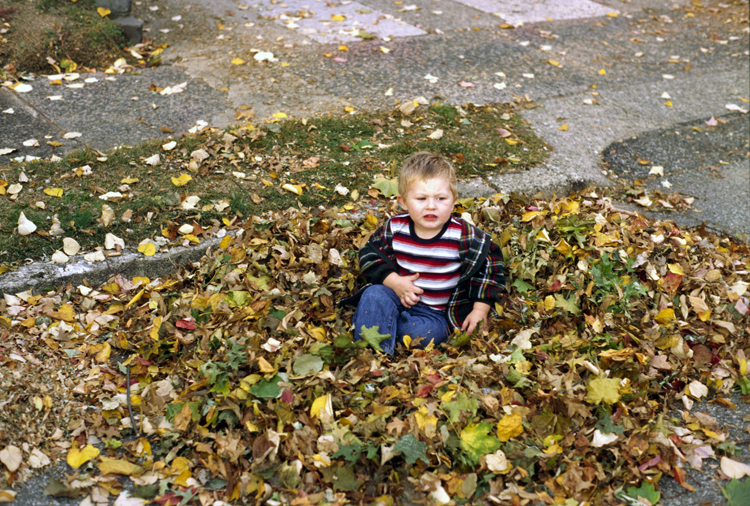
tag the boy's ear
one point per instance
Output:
(402, 203)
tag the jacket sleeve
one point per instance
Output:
(488, 282)
(376, 259)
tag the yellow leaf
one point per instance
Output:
(676, 269)
(191, 238)
(142, 279)
(103, 11)
(54, 192)
(265, 366)
(135, 299)
(322, 407)
(284, 64)
(293, 188)
(266, 182)
(603, 390)
(279, 115)
(66, 313)
(549, 303)
(554, 63)
(447, 396)
(343, 48)
(118, 466)
(154, 334)
(317, 333)
(148, 249)
(238, 61)
(743, 367)
(337, 17)
(407, 341)
(225, 242)
(563, 127)
(602, 72)
(77, 457)
(563, 247)
(348, 108)
(511, 142)
(665, 316)
(182, 180)
(509, 427)
(668, 103)
(424, 419)
(531, 214)
(5, 322)
(104, 354)
(612, 14)
(220, 26)
(129, 180)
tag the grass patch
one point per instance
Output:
(244, 174)
(65, 32)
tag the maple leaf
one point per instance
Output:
(603, 390)
(477, 441)
(646, 491)
(462, 404)
(387, 187)
(373, 337)
(412, 449)
(737, 492)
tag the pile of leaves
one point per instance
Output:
(237, 379)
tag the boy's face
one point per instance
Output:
(429, 204)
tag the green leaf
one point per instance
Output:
(388, 187)
(267, 389)
(477, 440)
(365, 35)
(737, 492)
(307, 364)
(350, 453)
(647, 491)
(412, 449)
(462, 403)
(570, 306)
(373, 337)
(607, 426)
(237, 298)
(522, 286)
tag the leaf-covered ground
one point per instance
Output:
(244, 384)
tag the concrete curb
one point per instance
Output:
(39, 276)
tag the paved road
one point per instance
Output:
(629, 80)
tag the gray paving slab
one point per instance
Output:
(711, 165)
(123, 109)
(532, 11)
(20, 122)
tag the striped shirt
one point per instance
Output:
(436, 260)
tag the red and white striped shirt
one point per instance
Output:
(436, 260)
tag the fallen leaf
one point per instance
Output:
(77, 457)
(182, 180)
(12, 457)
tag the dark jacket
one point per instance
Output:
(482, 277)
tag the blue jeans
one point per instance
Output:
(379, 306)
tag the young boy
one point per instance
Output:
(429, 273)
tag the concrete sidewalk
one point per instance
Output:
(626, 81)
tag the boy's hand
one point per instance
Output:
(477, 315)
(406, 291)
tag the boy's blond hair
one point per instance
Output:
(423, 166)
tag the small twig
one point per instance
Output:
(130, 407)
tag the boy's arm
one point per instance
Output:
(478, 316)
(371, 264)
(404, 288)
